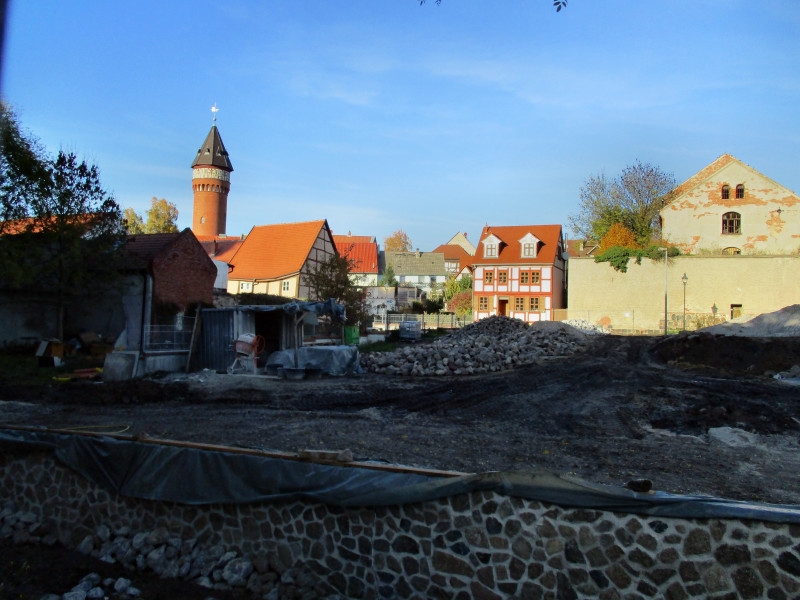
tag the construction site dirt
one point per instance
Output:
(693, 413)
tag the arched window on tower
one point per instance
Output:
(740, 190)
(726, 192)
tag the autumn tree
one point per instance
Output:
(632, 199)
(133, 222)
(461, 303)
(162, 217)
(397, 242)
(453, 286)
(618, 235)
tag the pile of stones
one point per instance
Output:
(586, 325)
(170, 557)
(493, 344)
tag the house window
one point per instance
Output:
(502, 277)
(488, 277)
(736, 310)
(726, 192)
(483, 303)
(731, 251)
(245, 286)
(519, 303)
(535, 277)
(535, 304)
(491, 250)
(529, 250)
(731, 222)
(285, 286)
(740, 191)
(524, 277)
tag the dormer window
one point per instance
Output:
(726, 192)
(491, 246)
(529, 246)
(740, 191)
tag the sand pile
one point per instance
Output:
(782, 323)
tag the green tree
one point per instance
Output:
(70, 245)
(23, 169)
(397, 242)
(388, 278)
(133, 222)
(162, 217)
(331, 279)
(632, 199)
(453, 287)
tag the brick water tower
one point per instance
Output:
(211, 181)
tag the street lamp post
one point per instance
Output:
(684, 279)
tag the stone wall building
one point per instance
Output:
(730, 208)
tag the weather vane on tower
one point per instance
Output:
(214, 111)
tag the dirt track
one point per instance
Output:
(617, 412)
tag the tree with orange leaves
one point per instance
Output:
(618, 235)
(397, 242)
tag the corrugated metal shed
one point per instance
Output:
(280, 326)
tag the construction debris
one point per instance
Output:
(494, 344)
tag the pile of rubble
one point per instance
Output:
(492, 344)
(587, 326)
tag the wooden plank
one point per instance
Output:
(193, 342)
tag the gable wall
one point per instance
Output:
(322, 249)
(693, 221)
(183, 274)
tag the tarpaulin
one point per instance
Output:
(331, 360)
(168, 472)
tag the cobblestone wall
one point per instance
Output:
(477, 545)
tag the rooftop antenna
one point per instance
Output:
(214, 111)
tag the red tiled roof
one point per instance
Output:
(577, 248)
(275, 251)
(510, 251)
(353, 239)
(364, 254)
(455, 252)
(220, 248)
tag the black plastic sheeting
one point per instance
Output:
(328, 307)
(157, 471)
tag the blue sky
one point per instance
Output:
(384, 114)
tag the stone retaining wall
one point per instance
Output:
(478, 545)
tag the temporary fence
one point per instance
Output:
(388, 322)
(165, 338)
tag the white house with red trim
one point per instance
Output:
(519, 272)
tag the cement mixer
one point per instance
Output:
(246, 348)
